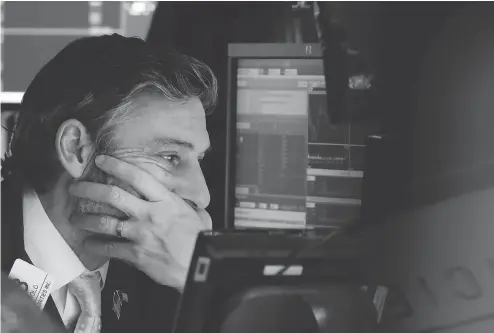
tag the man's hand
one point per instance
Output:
(160, 234)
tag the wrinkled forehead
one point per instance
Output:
(153, 118)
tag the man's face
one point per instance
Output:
(166, 139)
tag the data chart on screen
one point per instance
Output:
(293, 168)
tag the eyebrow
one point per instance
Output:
(163, 141)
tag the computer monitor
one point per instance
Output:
(33, 32)
(287, 165)
(260, 281)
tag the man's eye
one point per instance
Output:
(173, 159)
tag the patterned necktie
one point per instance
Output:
(87, 290)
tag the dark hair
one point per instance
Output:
(95, 80)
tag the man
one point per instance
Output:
(103, 188)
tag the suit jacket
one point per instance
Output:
(150, 307)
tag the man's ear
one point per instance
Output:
(74, 147)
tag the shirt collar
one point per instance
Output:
(103, 270)
(46, 247)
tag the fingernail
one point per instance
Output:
(99, 159)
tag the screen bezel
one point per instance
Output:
(242, 255)
(236, 52)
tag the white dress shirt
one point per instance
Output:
(48, 251)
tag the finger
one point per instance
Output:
(140, 180)
(109, 194)
(114, 249)
(107, 225)
(180, 243)
(205, 219)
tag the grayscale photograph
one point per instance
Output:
(247, 167)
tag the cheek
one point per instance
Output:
(164, 177)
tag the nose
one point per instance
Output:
(192, 187)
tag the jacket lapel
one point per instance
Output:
(120, 299)
(148, 307)
(52, 311)
(12, 228)
(13, 237)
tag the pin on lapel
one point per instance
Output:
(119, 298)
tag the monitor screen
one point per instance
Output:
(33, 32)
(293, 169)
